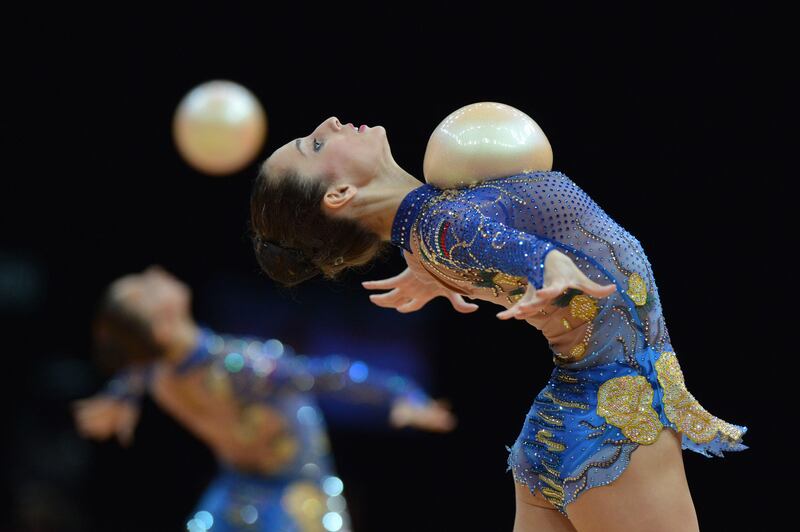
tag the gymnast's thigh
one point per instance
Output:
(650, 495)
(535, 514)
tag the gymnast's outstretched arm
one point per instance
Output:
(353, 380)
(114, 411)
(460, 236)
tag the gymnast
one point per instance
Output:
(591, 454)
(253, 402)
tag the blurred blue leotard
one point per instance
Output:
(289, 484)
(616, 381)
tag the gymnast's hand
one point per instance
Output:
(102, 417)
(434, 416)
(412, 289)
(560, 273)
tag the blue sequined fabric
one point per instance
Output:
(617, 381)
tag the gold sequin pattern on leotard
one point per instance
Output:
(550, 419)
(682, 409)
(305, 502)
(479, 276)
(626, 402)
(554, 493)
(550, 469)
(563, 377)
(473, 276)
(545, 436)
(583, 307)
(637, 289)
(515, 280)
(564, 403)
(577, 351)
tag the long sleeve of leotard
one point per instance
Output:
(349, 379)
(259, 369)
(460, 236)
(128, 385)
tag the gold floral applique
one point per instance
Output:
(583, 307)
(626, 402)
(682, 409)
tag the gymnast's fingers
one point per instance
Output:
(508, 313)
(597, 290)
(460, 305)
(385, 284)
(387, 300)
(412, 305)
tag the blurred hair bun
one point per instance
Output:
(285, 265)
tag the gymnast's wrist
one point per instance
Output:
(539, 262)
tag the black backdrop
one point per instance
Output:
(672, 120)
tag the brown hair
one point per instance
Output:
(121, 338)
(295, 240)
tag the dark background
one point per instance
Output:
(674, 120)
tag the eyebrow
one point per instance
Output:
(297, 144)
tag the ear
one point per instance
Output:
(337, 196)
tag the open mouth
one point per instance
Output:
(360, 129)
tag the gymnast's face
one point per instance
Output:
(154, 296)
(335, 153)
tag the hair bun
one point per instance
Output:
(285, 265)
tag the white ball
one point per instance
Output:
(219, 127)
(484, 141)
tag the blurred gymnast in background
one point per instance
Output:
(591, 454)
(251, 401)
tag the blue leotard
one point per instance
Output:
(289, 483)
(616, 381)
